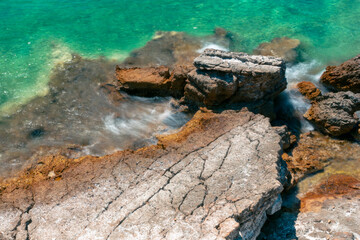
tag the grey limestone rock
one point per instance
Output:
(219, 184)
(333, 113)
(225, 78)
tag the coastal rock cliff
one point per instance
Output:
(217, 178)
(229, 78)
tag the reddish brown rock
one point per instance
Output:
(279, 47)
(335, 186)
(309, 90)
(152, 81)
(314, 151)
(345, 77)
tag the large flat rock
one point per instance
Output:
(215, 179)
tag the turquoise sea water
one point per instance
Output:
(34, 34)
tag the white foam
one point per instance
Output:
(213, 46)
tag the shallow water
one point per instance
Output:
(31, 31)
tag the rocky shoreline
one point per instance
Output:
(220, 176)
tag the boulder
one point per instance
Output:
(229, 78)
(217, 178)
(152, 81)
(284, 48)
(309, 90)
(345, 77)
(333, 113)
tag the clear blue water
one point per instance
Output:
(35, 34)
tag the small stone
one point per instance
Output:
(51, 174)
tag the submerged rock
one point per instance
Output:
(166, 48)
(333, 113)
(345, 77)
(284, 48)
(226, 78)
(309, 90)
(215, 179)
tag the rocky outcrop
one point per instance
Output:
(229, 78)
(315, 151)
(217, 178)
(333, 113)
(153, 81)
(345, 77)
(284, 48)
(329, 211)
(309, 90)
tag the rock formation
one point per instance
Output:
(153, 81)
(284, 48)
(314, 151)
(217, 178)
(329, 211)
(226, 78)
(333, 113)
(309, 90)
(345, 77)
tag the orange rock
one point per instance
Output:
(144, 81)
(308, 89)
(153, 81)
(314, 151)
(334, 187)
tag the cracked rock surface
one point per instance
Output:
(215, 179)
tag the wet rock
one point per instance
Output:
(229, 78)
(166, 48)
(314, 151)
(36, 133)
(153, 81)
(309, 90)
(333, 206)
(333, 113)
(345, 77)
(284, 48)
(335, 186)
(215, 179)
(112, 93)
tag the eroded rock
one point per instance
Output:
(226, 78)
(215, 179)
(345, 77)
(309, 90)
(284, 48)
(333, 113)
(153, 81)
(314, 151)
